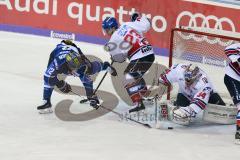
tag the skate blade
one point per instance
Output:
(237, 141)
(137, 110)
(45, 111)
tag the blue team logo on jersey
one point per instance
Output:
(207, 89)
(62, 56)
(122, 31)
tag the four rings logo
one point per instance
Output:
(202, 21)
(210, 23)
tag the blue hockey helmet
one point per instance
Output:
(109, 22)
(73, 60)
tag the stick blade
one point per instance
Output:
(147, 125)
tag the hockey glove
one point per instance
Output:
(134, 16)
(110, 69)
(106, 47)
(63, 86)
(94, 102)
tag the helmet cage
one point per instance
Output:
(73, 60)
(191, 74)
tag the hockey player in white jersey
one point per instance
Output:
(195, 91)
(232, 81)
(127, 41)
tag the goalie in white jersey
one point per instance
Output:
(127, 41)
(232, 80)
(195, 91)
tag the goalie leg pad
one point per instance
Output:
(220, 114)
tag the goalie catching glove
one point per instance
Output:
(183, 115)
(64, 86)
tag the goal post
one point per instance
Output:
(204, 48)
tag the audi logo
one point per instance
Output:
(205, 23)
(200, 21)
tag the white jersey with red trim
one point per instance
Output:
(198, 93)
(128, 41)
(233, 67)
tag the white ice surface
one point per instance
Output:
(26, 135)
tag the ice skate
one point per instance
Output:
(138, 108)
(237, 137)
(45, 108)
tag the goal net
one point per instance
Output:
(204, 49)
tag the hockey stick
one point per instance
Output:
(105, 74)
(128, 118)
(119, 114)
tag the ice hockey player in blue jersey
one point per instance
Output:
(68, 59)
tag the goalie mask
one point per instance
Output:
(191, 74)
(73, 60)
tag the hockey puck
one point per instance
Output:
(170, 128)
